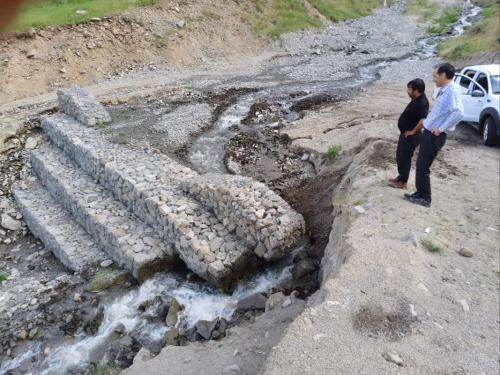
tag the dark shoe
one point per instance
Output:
(392, 180)
(409, 195)
(416, 198)
(398, 184)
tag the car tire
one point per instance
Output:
(488, 131)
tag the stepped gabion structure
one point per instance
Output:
(94, 200)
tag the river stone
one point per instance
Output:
(302, 268)
(123, 351)
(255, 302)
(31, 143)
(172, 337)
(393, 357)
(10, 223)
(23, 335)
(173, 313)
(204, 328)
(222, 326)
(274, 301)
(106, 278)
(93, 322)
(155, 308)
(465, 252)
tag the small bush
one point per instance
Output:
(333, 151)
(430, 245)
(3, 277)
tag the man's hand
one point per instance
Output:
(436, 132)
(410, 133)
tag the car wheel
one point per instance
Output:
(489, 133)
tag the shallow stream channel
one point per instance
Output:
(225, 126)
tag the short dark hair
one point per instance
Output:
(447, 69)
(417, 84)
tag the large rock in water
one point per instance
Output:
(82, 106)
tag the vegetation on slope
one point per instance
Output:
(268, 17)
(436, 16)
(62, 12)
(275, 17)
(482, 37)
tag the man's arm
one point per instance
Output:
(416, 129)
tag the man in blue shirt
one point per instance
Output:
(448, 111)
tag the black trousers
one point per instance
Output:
(429, 148)
(404, 154)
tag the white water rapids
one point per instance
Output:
(200, 301)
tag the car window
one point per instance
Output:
(495, 84)
(482, 79)
(464, 82)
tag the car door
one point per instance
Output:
(472, 105)
(465, 83)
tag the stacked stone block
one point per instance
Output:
(145, 210)
(55, 228)
(82, 106)
(259, 216)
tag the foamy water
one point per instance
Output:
(200, 300)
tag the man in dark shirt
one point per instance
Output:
(415, 111)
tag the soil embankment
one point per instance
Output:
(394, 303)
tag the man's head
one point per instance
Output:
(415, 88)
(443, 74)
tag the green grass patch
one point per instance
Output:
(104, 370)
(435, 15)
(425, 10)
(3, 277)
(276, 17)
(106, 278)
(482, 37)
(430, 245)
(44, 13)
(449, 16)
(333, 151)
(341, 10)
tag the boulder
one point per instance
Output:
(155, 308)
(9, 223)
(93, 322)
(172, 337)
(302, 268)
(173, 313)
(275, 300)
(204, 328)
(255, 302)
(123, 351)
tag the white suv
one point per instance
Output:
(480, 87)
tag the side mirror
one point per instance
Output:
(477, 94)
